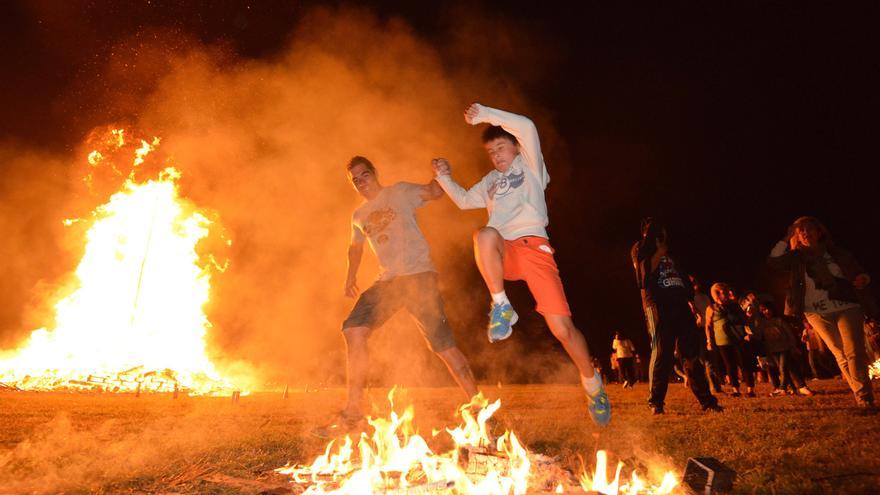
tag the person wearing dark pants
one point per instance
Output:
(668, 303)
(821, 363)
(777, 337)
(624, 352)
(712, 368)
(725, 332)
(680, 330)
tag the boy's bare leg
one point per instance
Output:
(460, 370)
(489, 254)
(573, 341)
(357, 359)
(576, 346)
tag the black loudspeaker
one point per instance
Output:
(707, 475)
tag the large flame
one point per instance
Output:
(396, 460)
(135, 318)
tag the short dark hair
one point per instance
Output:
(494, 132)
(360, 160)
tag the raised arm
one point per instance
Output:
(475, 197)
(355, 253)
(782, 255)
(431, 191)
(521, 127)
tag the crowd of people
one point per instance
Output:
(741, 337)
(827, 329)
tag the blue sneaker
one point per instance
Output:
(599, 406)
(501, 320)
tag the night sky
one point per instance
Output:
(726, 120)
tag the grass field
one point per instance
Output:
(104, 443)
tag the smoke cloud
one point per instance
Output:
(263, 143)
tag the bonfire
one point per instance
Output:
(133, 319)
(395, 459)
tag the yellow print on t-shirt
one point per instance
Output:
(377, 221)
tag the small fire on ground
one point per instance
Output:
(134, 320)
(874, 370)
(396, 460)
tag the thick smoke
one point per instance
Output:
(263, 144)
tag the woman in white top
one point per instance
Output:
(830, 288)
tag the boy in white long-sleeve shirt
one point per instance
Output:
(514, 244)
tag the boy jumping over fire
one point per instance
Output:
(407, 279)
(514, 244)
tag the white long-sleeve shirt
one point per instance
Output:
(515, 198)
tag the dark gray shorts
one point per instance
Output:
(418, 294)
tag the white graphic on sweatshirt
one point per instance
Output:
(504, 185)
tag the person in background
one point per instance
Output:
(616, 373)
(765, 370)
(597, 365)
(872, 336)
(625, 352)
(641, 368)
(740, 321)
(822, 365)
(725, 333)
(709, 359)
(777, 338)
(828, 285)
(668, 304)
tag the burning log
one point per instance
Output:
(482, 460)
(396, 461)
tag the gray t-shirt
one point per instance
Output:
(388, 221)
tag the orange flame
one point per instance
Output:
(395, 459)
(636, 486)
(135, 319)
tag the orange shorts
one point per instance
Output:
(531, 259)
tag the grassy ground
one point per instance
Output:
(103, 443)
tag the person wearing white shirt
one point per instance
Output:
(514, 244)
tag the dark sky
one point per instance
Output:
(728, 120)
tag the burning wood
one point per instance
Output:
(139, 292)
(396, 460)
(481, 460)
(874, 370)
